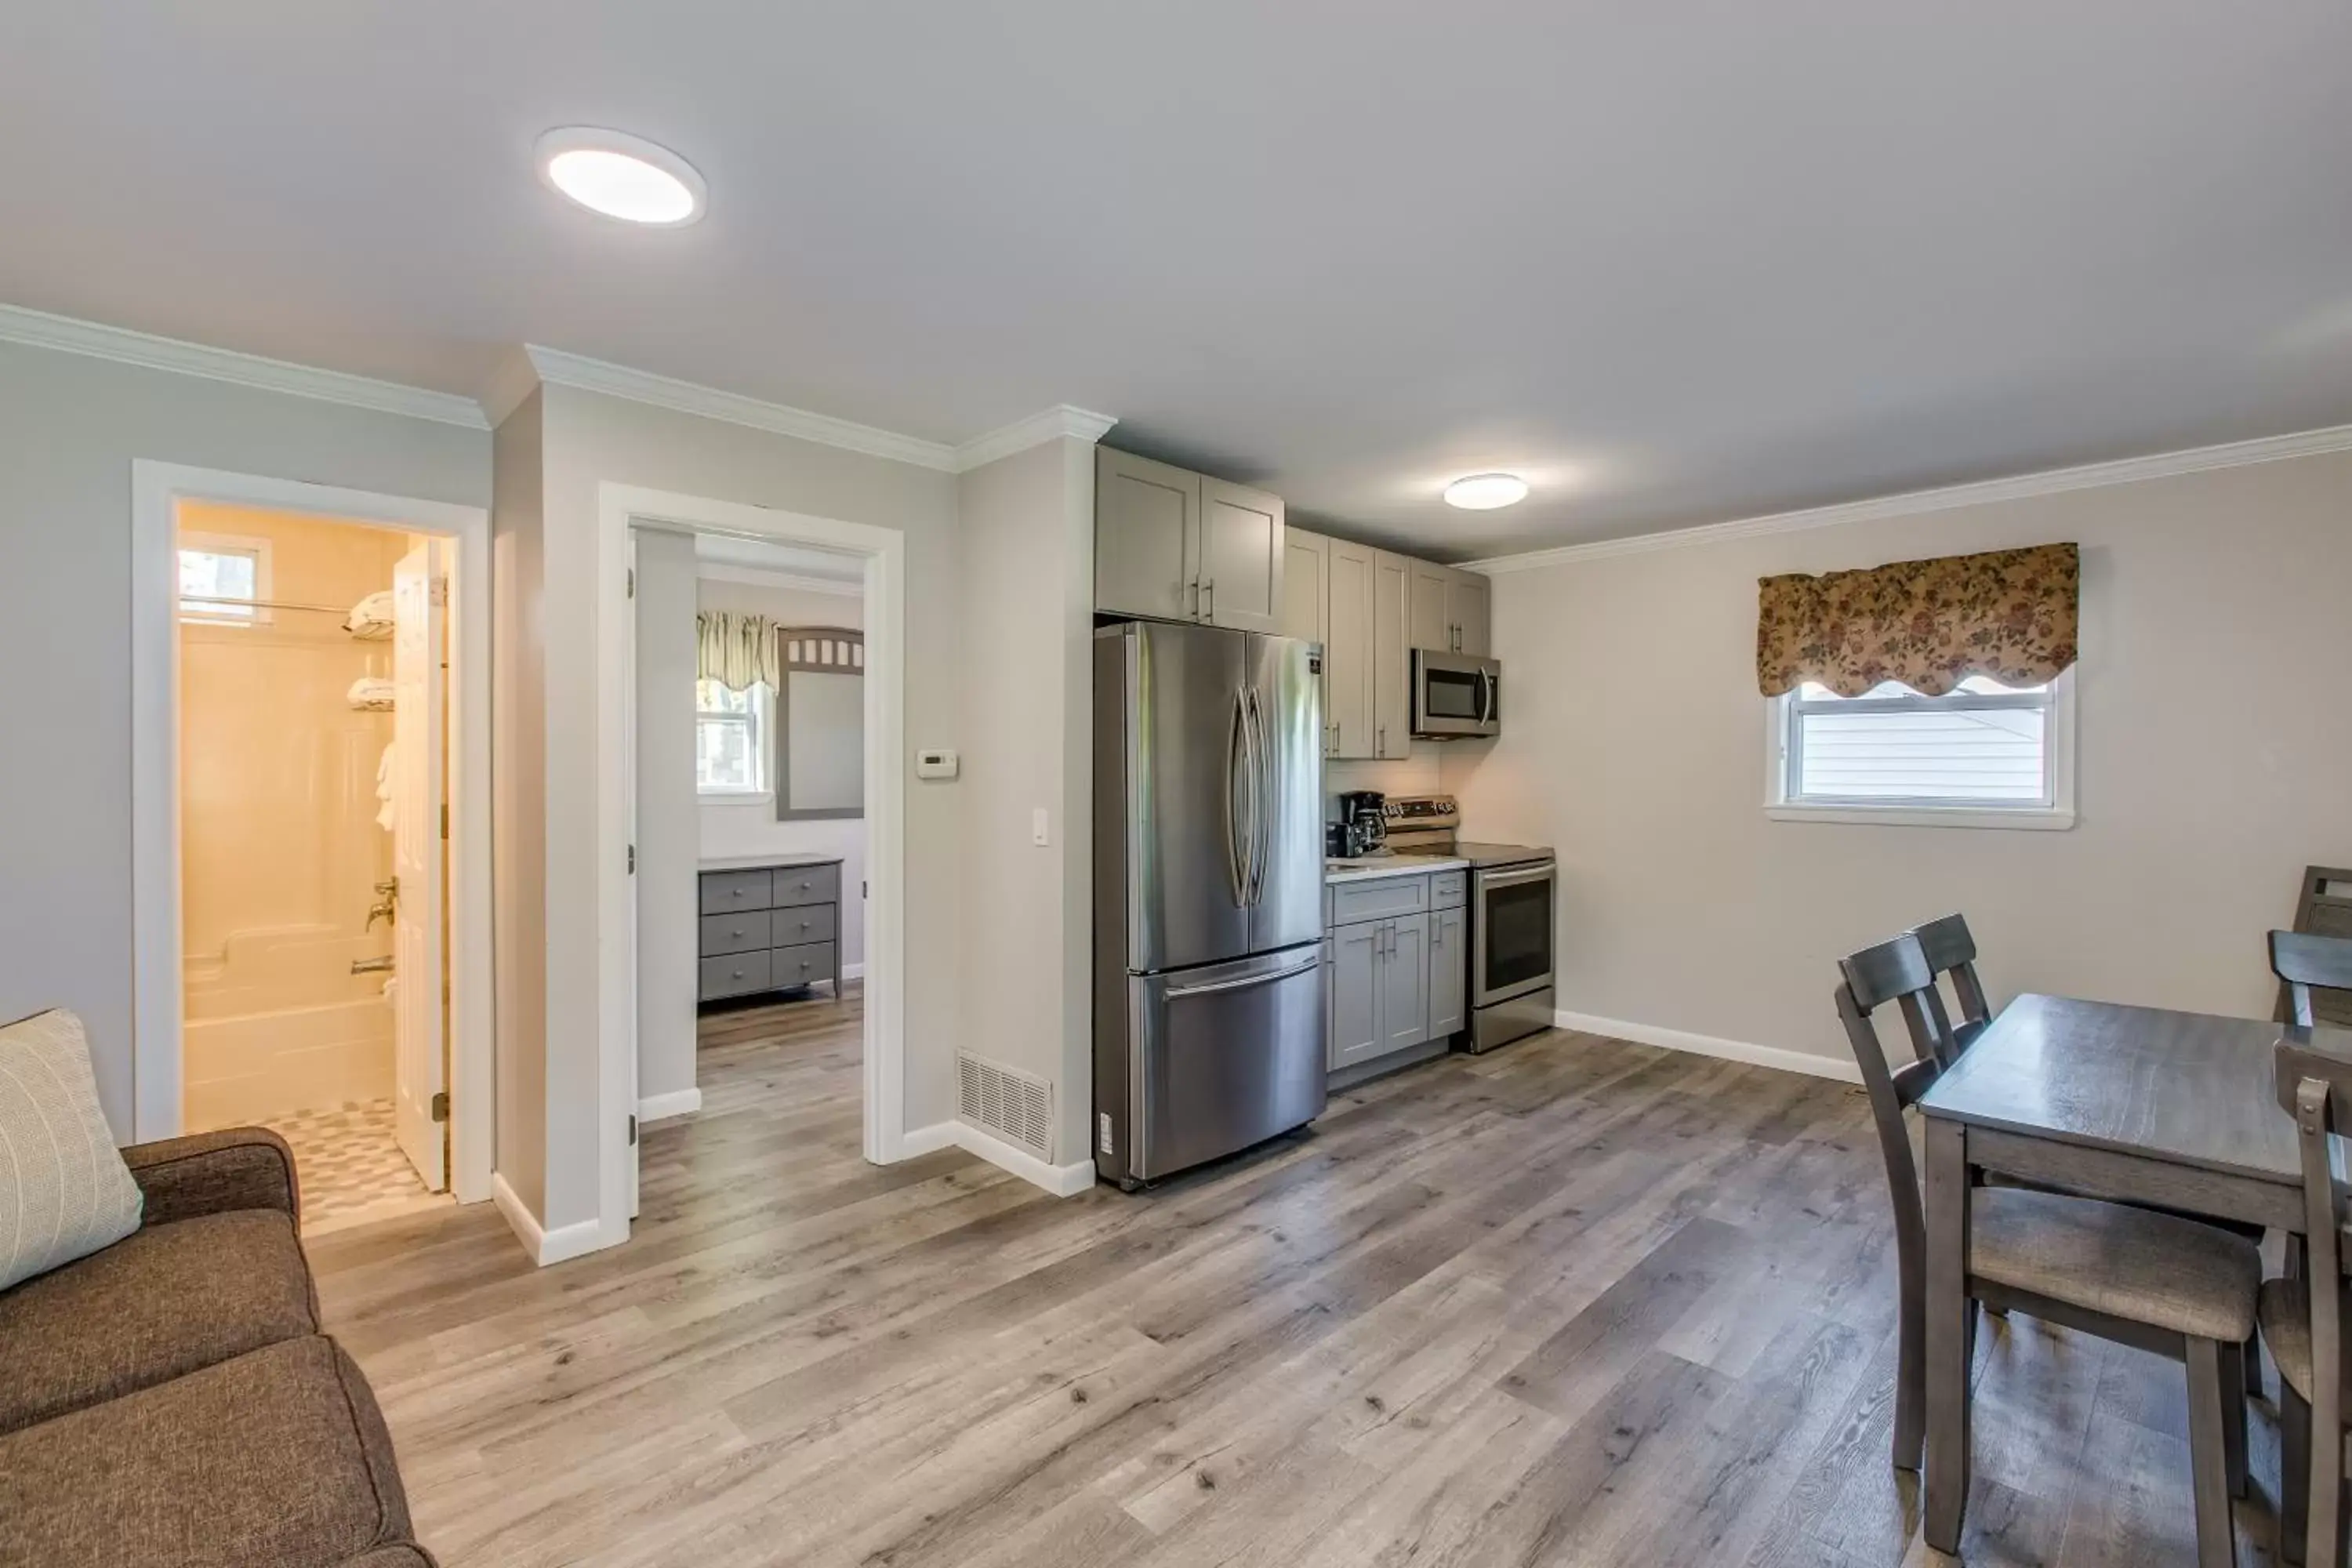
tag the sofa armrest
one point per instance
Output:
(213, 1173)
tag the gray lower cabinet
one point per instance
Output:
(775, 927)
(1449, 971)
(1379, 981)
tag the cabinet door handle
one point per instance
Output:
(1209, 599)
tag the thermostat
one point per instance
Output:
(936, 765)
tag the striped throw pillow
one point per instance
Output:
(63, 1190)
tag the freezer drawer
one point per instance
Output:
(1221, 1056)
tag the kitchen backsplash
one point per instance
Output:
(1415, 774)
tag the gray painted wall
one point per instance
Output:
(70, 427)
(517, 789)
(669, 826)
(2215, 744)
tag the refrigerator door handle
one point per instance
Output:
(1246, 981)
(1262, 797)
(1237, 747)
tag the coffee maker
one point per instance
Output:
(1363, 822)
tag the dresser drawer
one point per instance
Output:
(735, 975)
(724, 892)
(807, 885)
(746, 933)
(792, 928)
(1378, 899)
(803, 965)
(1448, 888)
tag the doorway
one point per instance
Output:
(310, 832)
(871, 562)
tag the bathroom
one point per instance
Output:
(312, 770)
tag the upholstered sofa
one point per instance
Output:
(169, 1402)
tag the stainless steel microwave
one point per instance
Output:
(1456, 694)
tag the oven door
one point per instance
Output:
(1511, 932)
(1456, 694)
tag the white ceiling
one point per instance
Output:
(1674, 263)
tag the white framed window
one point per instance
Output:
(1984, 755)
(730, 740)
(222, 579)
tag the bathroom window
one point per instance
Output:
(730, 739)
(222, 579)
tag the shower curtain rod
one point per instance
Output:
(265, 604)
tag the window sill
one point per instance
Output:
(736, 797)
(2035, 819)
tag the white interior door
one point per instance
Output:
(419, 596)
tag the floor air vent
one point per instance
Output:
(1018, 1107)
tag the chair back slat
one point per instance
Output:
(1952, 950)
(2316, 1088)
(1895, 971)
(2301, 961)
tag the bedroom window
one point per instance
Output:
(730, 739)
(1984, 755)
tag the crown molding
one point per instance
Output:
(94, 340)
(1062, 419)
(1910, 503)
(556, 368)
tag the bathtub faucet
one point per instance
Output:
(371, 965)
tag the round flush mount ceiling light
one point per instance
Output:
(1485, 492)
(621, 176)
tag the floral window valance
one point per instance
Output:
(1930, 625)
(737, 651)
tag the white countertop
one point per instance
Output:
(1338, 871)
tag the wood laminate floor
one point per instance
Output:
(1578, 1301)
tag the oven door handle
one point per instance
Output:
(1508, 878)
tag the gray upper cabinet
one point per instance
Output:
(1449, 972)
(1240, 557)
(1450, 610)
(1431, 618)
(1348, 656)
(1469, 598)
(1306, 586)
(1147, 519)
(1392, 656)
(1175, 546)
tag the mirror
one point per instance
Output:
(820, 765)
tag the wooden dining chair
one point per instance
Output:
(2156, 1281)
(2307, 1344)
(2301, 961)
(1951, 951)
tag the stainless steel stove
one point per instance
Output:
(1513, 905)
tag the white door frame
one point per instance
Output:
(157, 997)
(884, 551)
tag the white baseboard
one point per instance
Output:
(662, 1106)
(1062, 1181)
(852, 972)
(1778, 1058)
(545, 1246)
(927, 1140)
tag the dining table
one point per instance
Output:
(2137, 1105)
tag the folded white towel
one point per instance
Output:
(370, 692)
(388, 814)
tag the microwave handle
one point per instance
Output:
(1485, 697)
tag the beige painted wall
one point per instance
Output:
(279, 846)
(1027, 672)
(70, 427)
(2215, 746)
(518, 796)
(584, 439)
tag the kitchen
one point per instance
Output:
(1259, 940)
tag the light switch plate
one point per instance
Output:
(937, 763)
(1041, 830)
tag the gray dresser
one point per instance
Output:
(770, 923)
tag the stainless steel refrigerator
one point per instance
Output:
(1208, 818)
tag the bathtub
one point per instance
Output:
(276, 1024)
